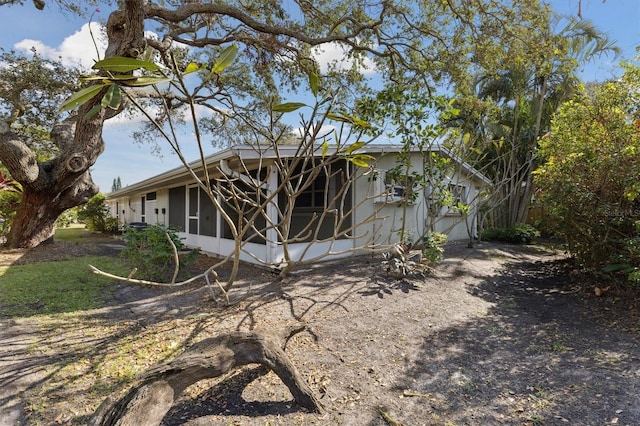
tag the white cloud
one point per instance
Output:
(335, 54)
(76, 49)
(323, 132)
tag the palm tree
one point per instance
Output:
(519, 103)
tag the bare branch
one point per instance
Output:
(131, 280)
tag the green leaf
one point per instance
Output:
(314, 82)
(121, 78)
(112, 98)
(225, 59)
(288, 106)
(108, 80)
(355, 146)
(338, 117)
(344, 118)
(81, 97)
(122, 64)
(360, 122)
(145, 81)
(93, 111)
(192, 67)
(361, 160)
(325, 149)
(93, 77)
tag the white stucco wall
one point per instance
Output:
(387, 228)
(380, 222)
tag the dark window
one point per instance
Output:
(193, 201)
(193, 226)
(207, 215)
(318, 197)
(177, 200)
(248, 209)
(151, 196)
(314, 196)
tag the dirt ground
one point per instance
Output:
(494, 335)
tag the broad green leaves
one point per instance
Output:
(225, 59)
(81, 97)
(314, 82)
(348, 153)
(112, 83)
(289, 107)
(192, 67)
(116, 73)
(361, 160)
(118, 64)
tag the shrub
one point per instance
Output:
(518, 234)
(151, 252)
(9, 202)
(112, 225)
(94, 213)
(67, 218)
(590, 179)
(432, 249)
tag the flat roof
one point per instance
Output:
(258, 152)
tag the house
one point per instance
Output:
(340, 208)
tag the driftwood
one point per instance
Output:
(156, 390)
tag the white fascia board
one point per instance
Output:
(248, 152)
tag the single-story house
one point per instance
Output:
(367, 215)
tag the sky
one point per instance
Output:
(65, 36)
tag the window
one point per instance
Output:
(459, 194)
(314, 195)
(457, 200)
(151, 196)
(389, 189)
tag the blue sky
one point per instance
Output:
(63, 35)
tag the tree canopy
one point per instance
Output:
(418, 43)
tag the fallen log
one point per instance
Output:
(149, 400)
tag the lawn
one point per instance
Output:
(60, 286)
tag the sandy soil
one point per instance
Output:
(493, 335)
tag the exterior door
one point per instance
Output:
(194, 214)
(143, 209)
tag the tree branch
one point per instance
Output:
(190, 9)
(150, 399)
(130, 279)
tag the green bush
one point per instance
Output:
(9, 202)
(112, 225)
(518, 234)
(67, 218)
(94, 213)
(433, 250)
(151, 252)
(589, 183)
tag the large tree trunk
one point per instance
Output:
(35, 220)
(38, 212)
(155, 392)
(64, 182)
